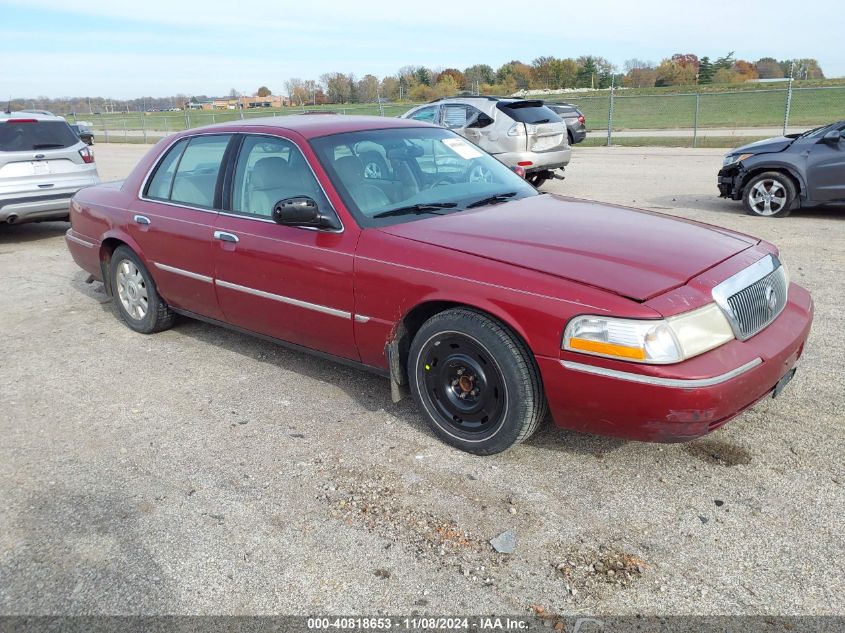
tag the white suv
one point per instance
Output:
(522, 133)
(42, 164)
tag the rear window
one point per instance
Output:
(528, 111)
(28, 135)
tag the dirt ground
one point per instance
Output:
(203, 471)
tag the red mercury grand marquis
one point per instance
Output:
(403, 248)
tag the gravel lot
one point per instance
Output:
(202, 471)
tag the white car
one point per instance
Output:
(524, 134)
(42, 164)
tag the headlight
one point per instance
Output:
(730, 159)
(656, 341)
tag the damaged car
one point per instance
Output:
(524, 134)
(777, 175)
(490, 302)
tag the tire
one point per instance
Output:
(475, 382)
(538, 179)
(135, 299)
(770, 194)
(571, 138)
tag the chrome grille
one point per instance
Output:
(754, 297)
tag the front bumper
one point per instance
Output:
(729, 182)
(540, 161)
(675, 403)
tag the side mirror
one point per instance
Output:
(832, 137)
(302, 211)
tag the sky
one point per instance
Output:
(123, 50)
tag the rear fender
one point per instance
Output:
(105, 252)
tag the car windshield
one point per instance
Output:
(820, 131)
(22, 134)
(397, 175)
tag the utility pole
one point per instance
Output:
(789, 97)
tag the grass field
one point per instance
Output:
(722, 110)
(726, 110)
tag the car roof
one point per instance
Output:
(315, 125)
(24, 114)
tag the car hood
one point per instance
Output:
(766, 146)
(633, 253)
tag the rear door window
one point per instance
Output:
(195, 181)
(162, 180)
(22, 135)
(528, 111)
(425, 114)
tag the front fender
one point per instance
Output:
(766, 162)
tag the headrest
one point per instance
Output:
(269, 172)
(350, 169)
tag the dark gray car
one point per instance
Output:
(575, 121)
(775, 176)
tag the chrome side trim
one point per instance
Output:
(360, 318)
(81, 242)
(294, 302)
(184, 273)
(679, 383)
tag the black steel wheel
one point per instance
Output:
(463, 383)
(475, 381)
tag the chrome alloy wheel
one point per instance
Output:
(132, 290)
(767, 197)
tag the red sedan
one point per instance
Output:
(404, 249)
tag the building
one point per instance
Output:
(235, 103)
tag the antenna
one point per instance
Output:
(9, 106)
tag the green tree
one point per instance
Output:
(725, 62)
(423, 76)
(587, 73)
(706, 71)
(477, 75)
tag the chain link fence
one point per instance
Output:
(714, 119)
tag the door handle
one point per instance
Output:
(225, 237)
(142, 219)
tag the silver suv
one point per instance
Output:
(42, 164)
(519, 132)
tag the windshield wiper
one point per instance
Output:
(499, 197)
(46, 145)
(417, 209)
